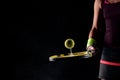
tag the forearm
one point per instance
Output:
(93, 33)
(94, 30)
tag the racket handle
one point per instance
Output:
(88, 54)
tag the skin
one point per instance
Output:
(94, 29)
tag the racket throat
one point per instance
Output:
(71, 53)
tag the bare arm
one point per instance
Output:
(94, 29)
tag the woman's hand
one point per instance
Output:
(91, 49)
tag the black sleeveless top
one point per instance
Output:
(111, 51)
(111, 13)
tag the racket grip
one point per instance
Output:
(88, 54)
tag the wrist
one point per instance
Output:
(91, 42)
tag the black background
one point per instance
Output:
(38, 29)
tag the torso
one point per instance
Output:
(111, 11)
(111, 52)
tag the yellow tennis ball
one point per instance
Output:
(69, 43)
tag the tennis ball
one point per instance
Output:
(69, 43)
